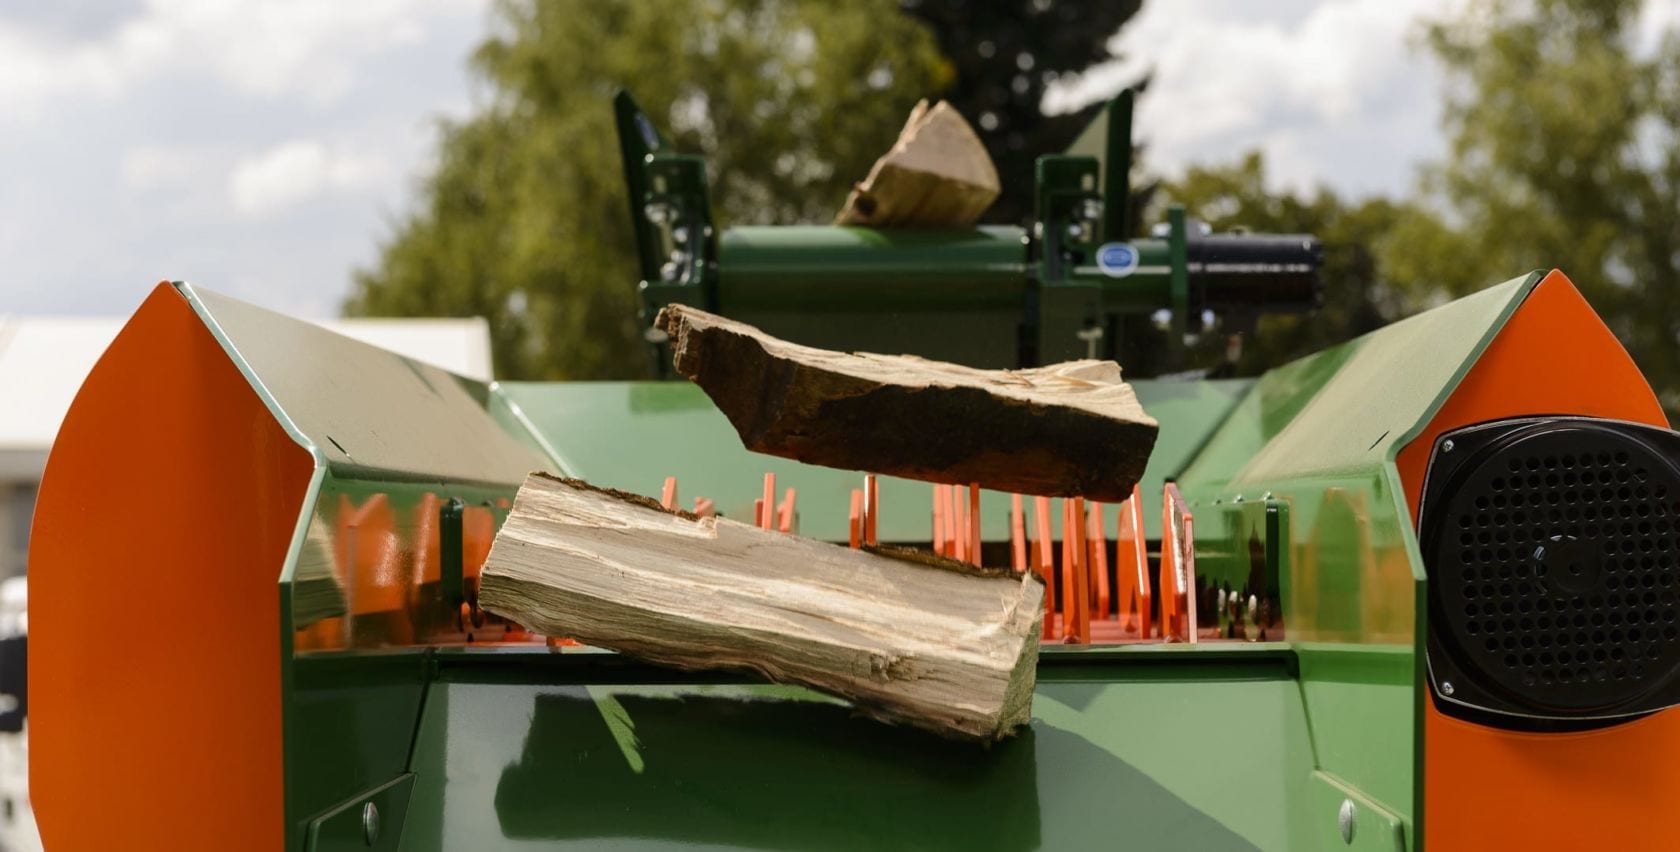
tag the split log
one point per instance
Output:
(937, 174)
(1072, 429)
(906, 636)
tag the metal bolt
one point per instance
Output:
(370, 823)
(1446, 687)
(1447, 446)
(1237, 499)
(1344, 820)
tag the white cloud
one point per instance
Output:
(153, 166)
(305, 48)
(1307, 91)
(1657, 19)
(296, 171)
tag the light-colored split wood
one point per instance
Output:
(907, 636)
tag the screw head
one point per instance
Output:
(370, 823)
(1446, 687)
(1344, 820)
(1447, 446)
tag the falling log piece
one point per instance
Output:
(937, 175)
(1071, 429)
(907, 638)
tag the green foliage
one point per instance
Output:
(524, 221)
(1005, 54)
(1565, 152)
(1369, 276)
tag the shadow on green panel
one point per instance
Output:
(777, 774)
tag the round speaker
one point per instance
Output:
(1552, 548)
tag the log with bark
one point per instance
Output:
(937, 174)
(1071, 429)
(906, 636)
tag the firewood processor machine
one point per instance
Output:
(1415, 591)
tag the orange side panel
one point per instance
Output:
(163, 521)
(1491, 789)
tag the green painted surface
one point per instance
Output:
(1163, 755)
(817, 267)
(1170, 747)
(1374, 828)
(350, 827)
(364, 411)
(1319, 436)
(385, 431)
(631, 435)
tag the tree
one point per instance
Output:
(524, 219)
(1368, 274)
(1005, 55)
(1565, 151)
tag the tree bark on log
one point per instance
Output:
(1070, 430)
(907, 637)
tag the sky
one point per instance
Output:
(264, 148)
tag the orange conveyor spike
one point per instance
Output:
(939, 519)
(1017, 535)
(1081, 589)
(973, 532)
(1045, 562)
(765, 508)
(1132, 567)
(871, 508)
(668, 495)
(961, 526)
(1097, 548)
(1178, 568)
(857, 518)
(947, 497)
(784, 513)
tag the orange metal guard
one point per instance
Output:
(134, 522)
(1486, 788)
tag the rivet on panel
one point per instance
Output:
(370, 823)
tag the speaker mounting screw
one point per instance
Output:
(1447, 446)
(1446, 687)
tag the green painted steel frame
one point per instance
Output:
(377, 425)
(1309, 449)
(1315, 442)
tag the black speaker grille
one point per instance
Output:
(1555, 567)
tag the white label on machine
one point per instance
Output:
(1117, 260)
